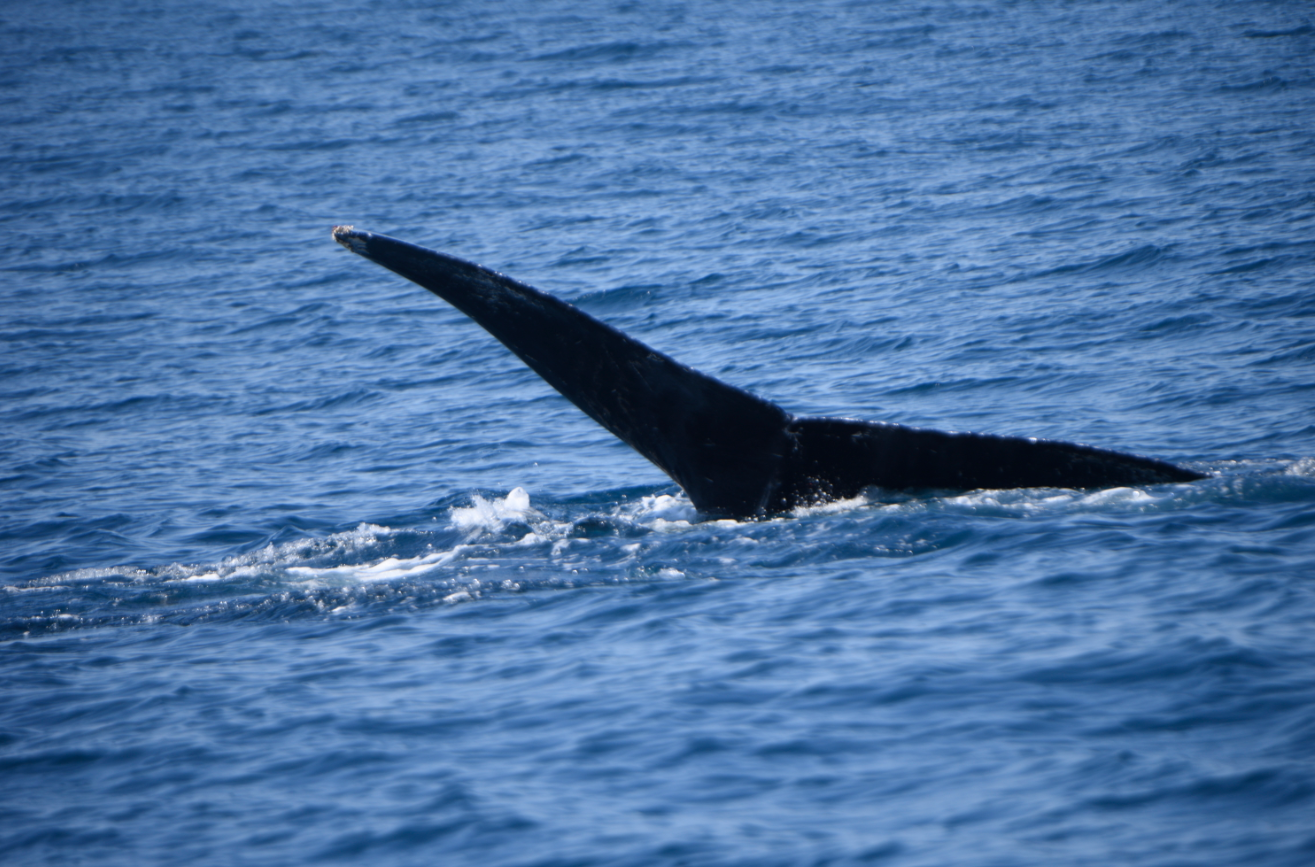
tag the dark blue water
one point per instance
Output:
(297, 565)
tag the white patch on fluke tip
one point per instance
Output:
(348, 237)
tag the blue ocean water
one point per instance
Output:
(298, 565)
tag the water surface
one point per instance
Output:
(300, 566)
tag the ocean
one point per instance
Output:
(300, 566)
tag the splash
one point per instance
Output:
(493, 516)
(662, 510)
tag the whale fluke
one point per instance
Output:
(733, 453)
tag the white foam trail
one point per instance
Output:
(830, 506)
(481, 517)
(1301, 467)
(1032, 501)
(387, 569)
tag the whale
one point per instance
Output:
(734, 454)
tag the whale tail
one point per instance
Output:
(732, 452)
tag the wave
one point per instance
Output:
(502, 546)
